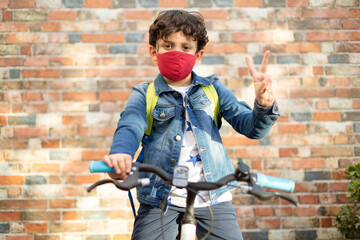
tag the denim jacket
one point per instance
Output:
(162, 147)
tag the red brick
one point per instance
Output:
(354, 36)
(339, 174)
(102, 131)
(86, 179)
(13, 27)
(3, 120)
(354, 13)
(309, 199)
(36, 61)
(46, 167)
(50, 26)
(247, 3)
(62, 15)
(23, 204)
(356, 104)
(108, 73)
(20, 237)
(62, 203)
(253, 37)
(266, 223)
(7, 15)
(318, 70)
(331, 151)
(103, 38)
(308, 163)
(288, 152)
(73, 120)
(327, 36)
(61, 61)
(331, 13)
(3, 4)
(4, 108)
(304, 47)
(12, 180)
(25, 50)
(297, 3)
(264, 211)
(21, 3)
(305, 211)
(173, 3)
(214, 14)
(292, 128)
(7, 62)
(326, 116)
(31, 96)
(326, 222)
(114, 96)
(239, 141)
(138, 14)
(36, 227)
(79, 96)
(50, 143)
(229, 48)
(338, 186)
(26, 37)
(76, 167)
(41, 73)
(312, 93)
(10, 216)
(97, 3)
(30, 132)
(351, 24)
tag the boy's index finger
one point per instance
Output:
(265, 61)
(251, 67)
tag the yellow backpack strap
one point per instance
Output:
(151, 100)
(212, 95)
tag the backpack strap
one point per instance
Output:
(151, 100)
(212, 95)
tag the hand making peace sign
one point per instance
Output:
(262, 82)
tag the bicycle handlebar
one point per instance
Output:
(242, 174)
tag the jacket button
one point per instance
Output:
(175, 95)
(178, 138)
(172, 161)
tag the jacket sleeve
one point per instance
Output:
(132, 123)
(253, 123)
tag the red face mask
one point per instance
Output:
(175, 65)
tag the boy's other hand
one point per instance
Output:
(262, 82)
(121, 162)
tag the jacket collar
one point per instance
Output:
(161, 86)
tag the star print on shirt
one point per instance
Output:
(194, 159)
(189, 126)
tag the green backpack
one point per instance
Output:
(152, 98)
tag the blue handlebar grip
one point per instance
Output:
(100, 166)
(275, 182)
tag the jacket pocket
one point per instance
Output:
(163, 113)
(199, 101)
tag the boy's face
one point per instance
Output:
(176, 42)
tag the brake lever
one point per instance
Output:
(131, 181)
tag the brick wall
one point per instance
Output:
(67, 67)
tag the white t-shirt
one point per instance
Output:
(190, 157)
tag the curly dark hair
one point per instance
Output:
(172, 21)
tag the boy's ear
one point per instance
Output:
(152, 52)
(199, 55)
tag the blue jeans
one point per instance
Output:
(148, 224)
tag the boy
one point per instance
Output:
(185, 131)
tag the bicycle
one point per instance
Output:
(254, 186)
